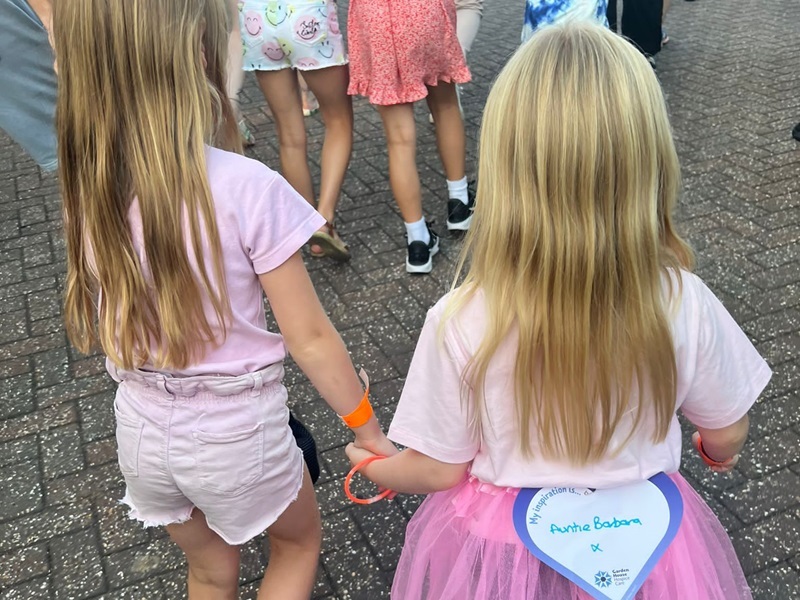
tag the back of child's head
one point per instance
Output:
(141, 92)
(572, 237)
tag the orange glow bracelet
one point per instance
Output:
(348, 492)
(363, 412)
(707, 459)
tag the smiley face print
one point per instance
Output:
(326, 49)
(277, 12)
(333, 21)
(253, 23)
(273, 51)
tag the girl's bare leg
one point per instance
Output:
(282, 92)
(401, 139)
(450, 138)
(213, 564)
(295, 540)
(235, 73)
(329, 85)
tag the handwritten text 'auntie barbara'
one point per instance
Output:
(596, 524)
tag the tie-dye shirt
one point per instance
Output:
(544, 12)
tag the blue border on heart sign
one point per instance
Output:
(675, 502)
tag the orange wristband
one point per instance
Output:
(381, 493)
(363, 412)
(706, 458)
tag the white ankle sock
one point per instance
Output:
(457, 190)
(418, 232)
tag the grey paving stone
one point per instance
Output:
(767, 543)
(61, 451)
(142, 562)
(22, 490)
(777, 582)
(43, 525)
(35, 588)
(77, 568)
(23, 564)
(150, 590)
(97, 416)
(17, 395)
(763, 497)
(384, 526)
(356, 573)
(770, 453)
(17, 451)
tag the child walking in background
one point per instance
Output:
(402, 51)
(577, 335)
(280, 39)
(171, 243)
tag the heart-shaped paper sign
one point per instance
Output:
(605, 541)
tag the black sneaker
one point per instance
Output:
(459, 215)
(305, 441)
(420, 254)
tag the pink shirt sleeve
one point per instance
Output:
(729, 373)
(431, 417)
(276, 224)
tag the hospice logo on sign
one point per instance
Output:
(605, 541)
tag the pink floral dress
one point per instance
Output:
(398, 47)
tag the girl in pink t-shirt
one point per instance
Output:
(575, 338)
(171, 245)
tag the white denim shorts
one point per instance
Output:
(220, 444)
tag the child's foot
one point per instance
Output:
(459, 215)
(326, 242)
(310, 102)
(420, 254)
(664, 37)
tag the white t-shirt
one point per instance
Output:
(720, 376)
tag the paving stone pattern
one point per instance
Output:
(731, 74)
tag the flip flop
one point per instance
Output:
(331, 244)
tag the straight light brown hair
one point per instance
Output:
(141, 93)
(572, 241)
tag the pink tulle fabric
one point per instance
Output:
(461, 545)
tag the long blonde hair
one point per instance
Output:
(141, 92)
(572, 237)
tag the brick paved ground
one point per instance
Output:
(731, 72)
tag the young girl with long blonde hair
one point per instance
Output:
(576, 336)
(171, 243)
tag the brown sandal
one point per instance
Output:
(331, 244)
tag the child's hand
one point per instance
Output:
(356, 454)
(375, 443)
(716, 466)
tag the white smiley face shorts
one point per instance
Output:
(281, 34)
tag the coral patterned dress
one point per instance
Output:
(398, 47)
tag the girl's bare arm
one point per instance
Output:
(409, 471)
(317, 348)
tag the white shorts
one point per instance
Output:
(302, 34)
(220, 444)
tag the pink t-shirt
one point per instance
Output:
(720, 376)
(262, 222)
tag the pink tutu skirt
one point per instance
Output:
(461, 545)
